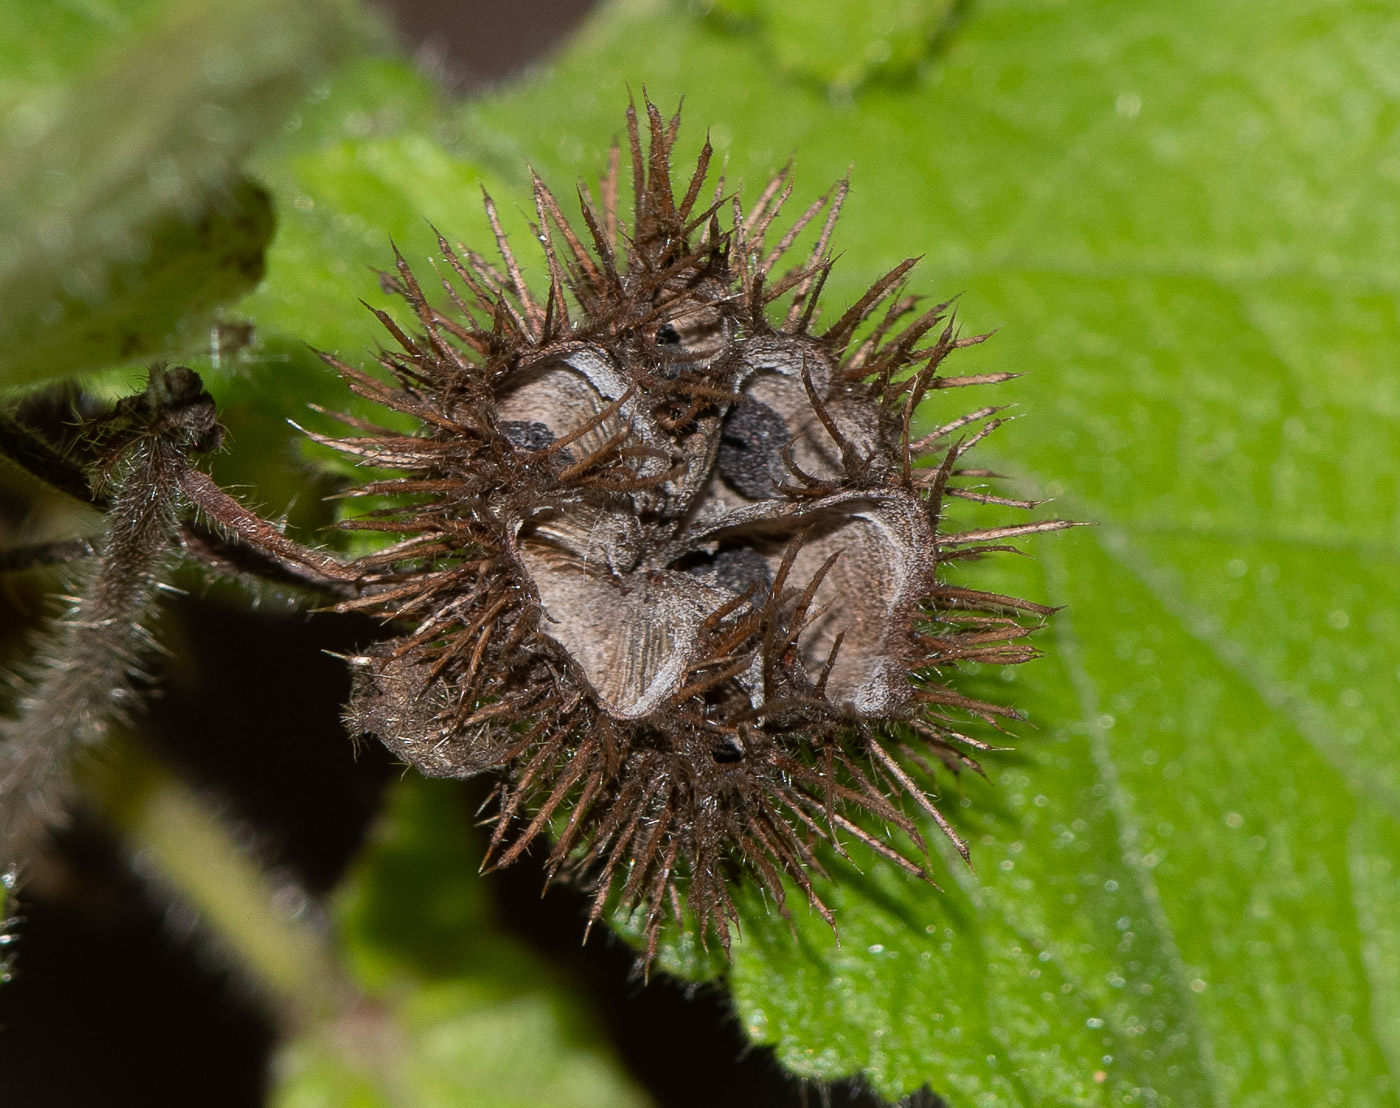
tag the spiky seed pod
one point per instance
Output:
(669, 567)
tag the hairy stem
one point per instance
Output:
(84, 667)
(254, 920)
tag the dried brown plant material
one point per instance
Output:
(666, 563)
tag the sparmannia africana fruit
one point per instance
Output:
(666, 562)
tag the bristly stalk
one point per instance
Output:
(85, 665)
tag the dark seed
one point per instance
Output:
(750, 448)
(528, 434)
(736, 568)
(728, 752)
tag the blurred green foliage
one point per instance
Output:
(121, 127)
(840, 45)
(1182, 219)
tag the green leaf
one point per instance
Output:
(459, 1012)
(190, 264)
(121, 128)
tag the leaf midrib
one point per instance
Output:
(1305, 715)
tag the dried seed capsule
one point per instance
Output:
(671, 571)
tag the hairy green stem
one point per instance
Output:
(192, 855)
(83, 670)
(84, 665)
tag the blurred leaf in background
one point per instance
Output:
(121, 127)
(1182, 219)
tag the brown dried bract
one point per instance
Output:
(669, 567)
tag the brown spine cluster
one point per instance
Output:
(666, 564)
